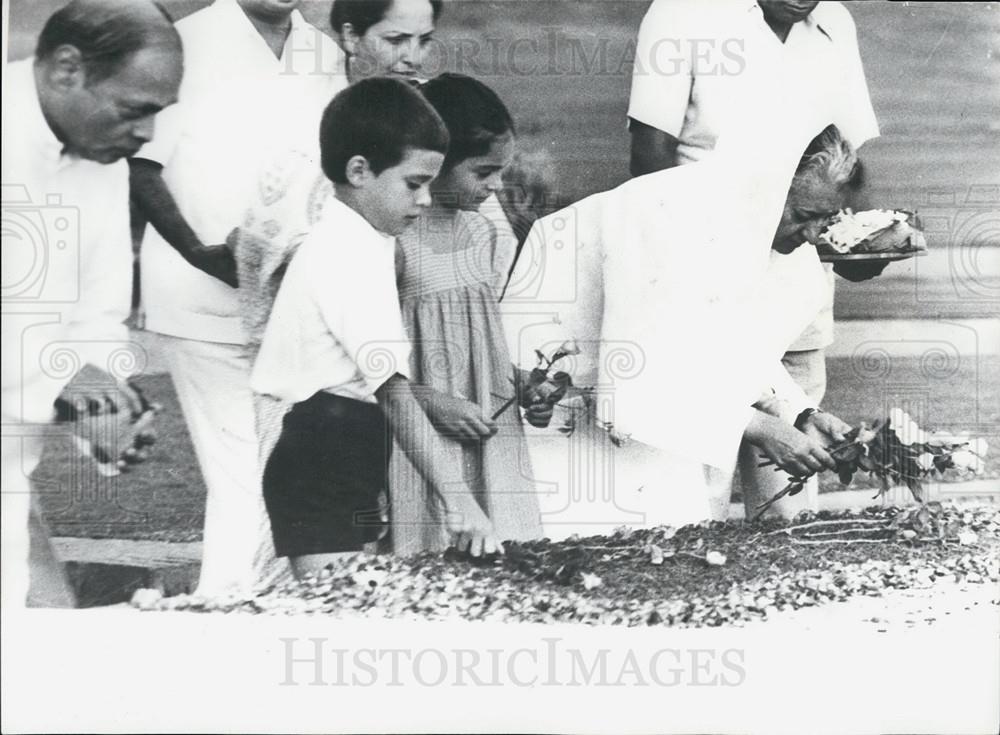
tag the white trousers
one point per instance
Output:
(31, 573)
(213, 385)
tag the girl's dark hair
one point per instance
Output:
(363, 14)
(107, 33)
(378, 118)
(474, 114)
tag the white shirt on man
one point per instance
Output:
(239, 106)
(336, 324)
(67, 287)
(67, 258)
(692, 58)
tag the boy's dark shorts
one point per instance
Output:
(323, 479)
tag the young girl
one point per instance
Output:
(450, 274)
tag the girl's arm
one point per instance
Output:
(471, 530)
(453, 417)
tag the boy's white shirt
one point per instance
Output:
(336, 324)
(239, 107)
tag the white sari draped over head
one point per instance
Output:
(682, 314)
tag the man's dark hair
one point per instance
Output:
(363, 14)
(379, 118)
(473, 113)
(107, 33)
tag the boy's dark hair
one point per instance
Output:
(474, 114)
(107, 33)
(363, 14)
(378, 118)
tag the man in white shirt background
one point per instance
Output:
(692, 59)
(257, 79)
(101, 72)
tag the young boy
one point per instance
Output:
(335, 345)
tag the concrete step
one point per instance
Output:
(108, 571)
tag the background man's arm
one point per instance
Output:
(157, 205)
(652, 149)
(662, 80)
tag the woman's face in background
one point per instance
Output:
(394, 46)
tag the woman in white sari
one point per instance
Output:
(661, 281)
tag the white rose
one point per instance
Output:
(926, 461)
(966, 461)
(905, 428)
(946, 439)
(980, 446)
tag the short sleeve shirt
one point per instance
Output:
(691, 57)
(336, 324)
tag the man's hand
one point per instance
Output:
(795, 452)
(99, 401)
(859, 270)
(101, 413)
(215, 260)
(457, 418)
(826, 428)
(468, 525)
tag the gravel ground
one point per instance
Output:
(711, 574)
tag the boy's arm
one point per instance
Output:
(465, 520)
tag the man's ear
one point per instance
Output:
(65, 68)
(358, 171)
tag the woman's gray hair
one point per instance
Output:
(832, 157)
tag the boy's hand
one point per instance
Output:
(469, 527)
(457, 418)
